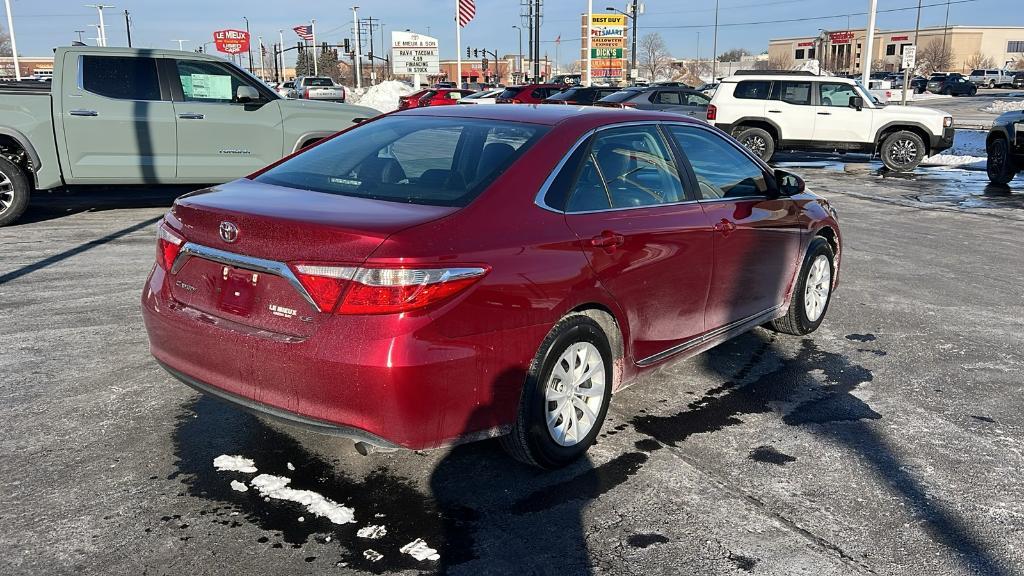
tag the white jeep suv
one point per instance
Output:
(794, 111)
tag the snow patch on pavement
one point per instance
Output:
(238, 486)
(968, 151)
(372, 555)
(383, 96)
(372, 532)
(276, 487)
(1001, 106)
(419, 550)
(234, 464)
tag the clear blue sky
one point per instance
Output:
(43, 24)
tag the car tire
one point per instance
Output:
(758, 141)
(1000, 166)
(902, 151)
(991, 84)
(15, 190)
(812, 293)
(534, 438)
(947, 91)
(973, 91)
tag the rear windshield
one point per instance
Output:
(977, 73)
(620, 96)
(570, 94)
(318, 82)
(424, 160)
(510, 93)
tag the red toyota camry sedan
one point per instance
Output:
(445, 274)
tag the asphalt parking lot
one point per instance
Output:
(889, 442)
(970, 111)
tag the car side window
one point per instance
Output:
(722, 170)
(696, 99)
(833, 94)
(753, 90)
(664, 97)
(626, 167)
(798, 93)
(208, 81)
(121, 77)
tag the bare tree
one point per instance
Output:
(5, 43)
(733, 55)
(573, 67)
(934, 57)
(979, 60)
(653, 55)
(778, 62)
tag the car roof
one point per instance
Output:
(546, 114)
(793, 77)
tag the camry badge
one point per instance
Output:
(228, 232)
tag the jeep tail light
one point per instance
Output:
(350, 290)
(168, 244)
(947, 121)
(712, 112)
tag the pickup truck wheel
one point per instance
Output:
(1000, 165)
(14, 191)
(812, 293)
(565, 397)
(902, 151)
(758, 141)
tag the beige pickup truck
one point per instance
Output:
(142, 116)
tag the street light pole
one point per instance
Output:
(359, 56)
(128, 27)
(14, 43)
(102, 29)
(632, 51)
(248, 42)
(519, 67)
(866, 75)
(180, 43)
(714, 48)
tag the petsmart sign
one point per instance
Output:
(414, 54)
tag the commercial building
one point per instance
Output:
(842, 51)
(41, 65)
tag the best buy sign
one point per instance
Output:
(606, 52)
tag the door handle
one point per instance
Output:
(83, 113)
(724, 226)
(608, 240)
(191, 116)
(824, 113)
(776, 111)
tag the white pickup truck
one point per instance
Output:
(991, 77)
(318, 88)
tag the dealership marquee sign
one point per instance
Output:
(413, 54)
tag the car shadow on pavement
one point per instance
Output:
(483, 512)
(52, 204)
(814, 390)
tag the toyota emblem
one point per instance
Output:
(228, 232)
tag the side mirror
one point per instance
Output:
(857, 102)
(246, 94)
(789, 184)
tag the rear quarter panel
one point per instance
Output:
(29, 119)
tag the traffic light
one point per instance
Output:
(476, 53)
(199, 49)
(348, 48)
(323, 47)
(484, 64)
(467, 52)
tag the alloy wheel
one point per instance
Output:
(817, 287)
(903, 151)
(755, 144)
(6, 193)
(575, 393)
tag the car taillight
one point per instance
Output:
(627, 105)
(168, 244)
(350, 290)
(307, 93)
(517, 101)
(712, 112)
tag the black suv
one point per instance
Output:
(1018, 80)
(580, 95)
(951, 85)
(1005, 146)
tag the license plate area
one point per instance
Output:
(238, 290)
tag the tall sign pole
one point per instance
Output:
(14, 43)
(358, 54)
(913, 60)
(458, 48)
(280, 39)
(590, 42)
(866, 76)
(312, 29)
(714, 48)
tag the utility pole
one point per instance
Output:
(536, 43)
(248, 42)
(280, 39)
(127, 27)
(358, 54)
(714, 48)
(529, 34)
(906, 71)
(373, 66)
(945, 30)
(102, 28)
(632, 51)
(519, 67)
(180, 43)
(866, 76)
(263, 70)
(14, 43)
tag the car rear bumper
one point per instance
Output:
(942, 142)
(386, 380)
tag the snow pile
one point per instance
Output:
(372, 532)
(383, 96)
(968, 151)
(419, 550)
(812, 66)
(234, 464)
(277, 487)
(238, 486)
(1001, 106)
(372, 555)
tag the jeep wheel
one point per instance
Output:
(902, 151)
(14, 191)
(758, 141)
(1000, 165)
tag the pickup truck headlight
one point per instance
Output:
(947, 121)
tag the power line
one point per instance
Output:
(805, 19)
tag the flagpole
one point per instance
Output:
(458, 47)
(14, 43)
(312, 28)
(590, 42)
(263, 71)
(280, 38)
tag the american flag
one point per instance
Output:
(304, 31)
(467, 10)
